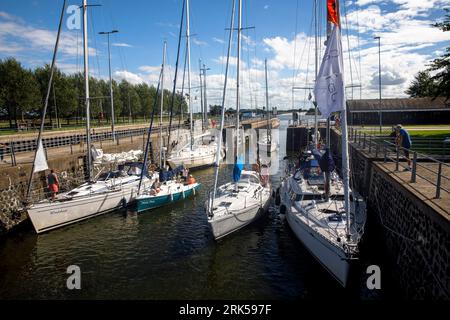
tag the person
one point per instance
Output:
(403, 140)
(53, 183)
(191, 180)
(185, 174)
(156, 187)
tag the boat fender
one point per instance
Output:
(123, 203)
(283, 209)
(184, 196)
(193, 191)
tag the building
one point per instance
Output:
(404, 111)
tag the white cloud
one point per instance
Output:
(218, 40)
(121, 44)
(266, 7)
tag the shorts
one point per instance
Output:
(53, 187)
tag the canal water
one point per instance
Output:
(169, 253)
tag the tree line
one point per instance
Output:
(23, 91)
(435, 80)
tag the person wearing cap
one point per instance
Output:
(404, 141)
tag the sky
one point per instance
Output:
(281, 31)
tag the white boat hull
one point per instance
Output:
(234, 221)
(192, 162)
(329, 256)
(48, 215)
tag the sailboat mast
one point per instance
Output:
(316, 70)
(161, 163)
(87, 99)
(47, 96)
(188, 50)
(201, 94)
(267, 103)
(238, 64)
(222, 119)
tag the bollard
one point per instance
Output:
(438, 183)
(414, 168)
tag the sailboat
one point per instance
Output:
(167, 189)
(198, 152)
(236, 204)
(324, 213)
(266, 143)
(110, 191)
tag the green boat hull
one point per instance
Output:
(149, 203)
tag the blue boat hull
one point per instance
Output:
(148, 203)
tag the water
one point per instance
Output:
(169, 253)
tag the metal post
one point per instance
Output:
(397, 158)
(370, 144)
(385, 152)
(414, 168)
(364, 141)
(379, 82)
(438, 183)
(376, 150)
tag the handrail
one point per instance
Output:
(370, 142)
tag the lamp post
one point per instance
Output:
(379, 82)
(110, 85)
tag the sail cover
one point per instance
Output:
(40, 161)
(238, 167)
(329, 87)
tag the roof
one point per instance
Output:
(396, 105)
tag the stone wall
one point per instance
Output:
(416, 238)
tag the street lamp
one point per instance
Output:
(379, 81)
(110, 85)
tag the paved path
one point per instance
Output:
(423, 188)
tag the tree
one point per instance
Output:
(441, 65)
(21, 90)
(215, 110)
(422, 86)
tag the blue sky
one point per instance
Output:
(282, 34)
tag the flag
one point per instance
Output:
(329, 87)
(333, 12)
(40, 161)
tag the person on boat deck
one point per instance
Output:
(403, 140)
(185, 174)
(156, 187)
(191, 180)
(53, 183)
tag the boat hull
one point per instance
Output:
(332, 258)
(46, 216)
(192, 162)
(232, 222)
(144, 203)
(267, 147)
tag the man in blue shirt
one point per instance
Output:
(404, 141)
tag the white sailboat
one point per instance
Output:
(113, 190)
(265, 143)
(198, 152)
(328, 218)
(236, 204)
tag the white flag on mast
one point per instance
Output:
(40, 161)
(329, 89)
